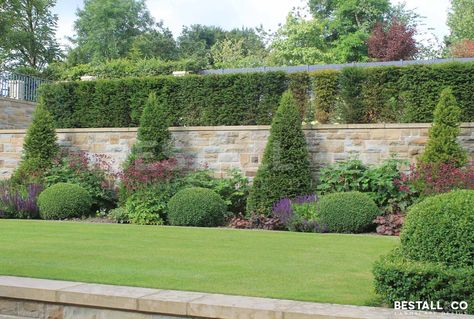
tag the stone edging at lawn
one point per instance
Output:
(40, 298)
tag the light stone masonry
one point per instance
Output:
(75, 300)
(15, 113)
(224, 147)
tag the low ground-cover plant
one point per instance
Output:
(196, 206)
(64, 200)
(349, 212)
(18, 201)
(435, 260)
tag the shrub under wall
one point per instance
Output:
(353, 95)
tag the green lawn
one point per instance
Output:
(312, 267)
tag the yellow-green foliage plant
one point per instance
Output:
(443, 146)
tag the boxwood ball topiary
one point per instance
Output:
(349, 212)
(64, 200)
(441, 229)
(196, 206)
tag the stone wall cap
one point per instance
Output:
(8, 99)
(242, 128)
(185, 303)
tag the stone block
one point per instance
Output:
(168, 302)
(31, 309)
(104, 296)
(228, 158)
(236, 307)
(53, 311)
(30, 288)
(8, 307)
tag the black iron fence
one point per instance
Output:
(19, 86)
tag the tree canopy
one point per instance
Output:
(27, 33)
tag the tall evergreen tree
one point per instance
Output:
(285, 170)
(443, 146)
(154, 137)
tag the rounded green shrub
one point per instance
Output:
(441, 229)
(64, 200)
(398, 278)
(196, 206)
(349, 212)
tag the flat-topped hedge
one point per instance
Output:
(352, 95)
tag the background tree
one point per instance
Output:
(285, 168)
(442, 146)
(156, 43)
(27, 37)
(461, 20)
(196, 40)
(463, 49)
(393, 42)
(300, 41)
(107, 29)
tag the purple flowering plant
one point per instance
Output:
(299, 213)
(19, 201)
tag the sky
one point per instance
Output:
(230, 14)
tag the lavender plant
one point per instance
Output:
(19, 201)
(299, 213)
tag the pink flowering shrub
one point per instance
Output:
(429, 179)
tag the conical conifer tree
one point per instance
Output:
(442, 146)
(285, 170)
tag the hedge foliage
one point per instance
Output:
(351, 95)
(398, 278)
(64, 200)
(441, 229)
(347, 212)
(196, 206)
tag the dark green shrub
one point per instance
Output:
(398, 278)
(442, 146)
(196, 206)
(285, 168)
(436, 257)
(326, 89)
(350, 212)
(64, 200)
(39, 147)
(153, 137)
(441, 229)
(368, 95)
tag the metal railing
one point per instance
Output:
(307, 68)
(19, 86)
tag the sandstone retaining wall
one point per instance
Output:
(15, 113)
(224, 147)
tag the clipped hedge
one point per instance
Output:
(348, 212)
(196, 206)
(351, 95)
(398, 278)
(441, 229)
(64, 200)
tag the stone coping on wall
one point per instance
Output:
(189, 304)
(244, 127)
(17, 101)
